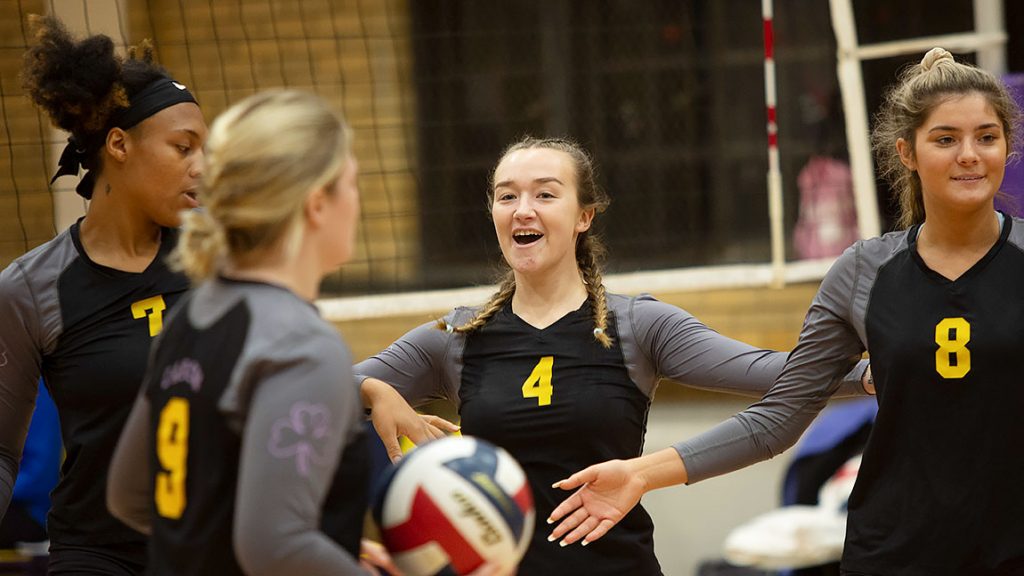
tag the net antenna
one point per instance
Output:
(778, 247)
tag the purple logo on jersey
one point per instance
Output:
(185, 371)
(299, 434)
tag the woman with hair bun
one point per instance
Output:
(938, 305)
(81, 309)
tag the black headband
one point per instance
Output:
(159, 94)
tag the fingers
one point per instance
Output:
(572, 522)
(602, 528)
(441, 423)
(576, 480)
(568, 505)
(424, 433)
(374, 554)
(392, 447)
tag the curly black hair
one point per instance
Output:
(80, 84)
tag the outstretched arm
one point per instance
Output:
(827, 347)
(606, 492)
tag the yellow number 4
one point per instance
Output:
(538, 385)
(172, 453)
(953, 358)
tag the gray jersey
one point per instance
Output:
(259, 391)
(594, 405)
(937, 492)
(658, 341)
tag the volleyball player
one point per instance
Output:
(246, 440)
(939, 306)
(82, 308)
(553, 369)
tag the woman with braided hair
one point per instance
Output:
(554, 369)
(939, 307)
(82, 308)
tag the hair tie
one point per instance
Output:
(598, 332)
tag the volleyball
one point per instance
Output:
(453, 504)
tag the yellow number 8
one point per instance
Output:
(172, 453)
(953, 358)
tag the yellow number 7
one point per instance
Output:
(538, 385)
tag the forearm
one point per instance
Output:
(659, 469)
(129, 480)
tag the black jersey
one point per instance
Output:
(559, 401)
(87, 329)
(257, 447)
(938, 487)
(523, 388)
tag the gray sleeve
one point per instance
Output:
(20, 357)
(685, 350)
(414, 365)
(129, 489)
(301, 416)
(827, 349)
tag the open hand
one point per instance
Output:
(606, 493)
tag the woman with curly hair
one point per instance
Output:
(82, 309)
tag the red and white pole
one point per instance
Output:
(778, 247)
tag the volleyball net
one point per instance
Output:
(669, 96)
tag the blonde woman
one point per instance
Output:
(939, 306)
(244, 452)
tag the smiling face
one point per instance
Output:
(536, 211)
(163, 162)
(959, 153)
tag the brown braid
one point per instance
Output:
(505, 291)
(589, 249)
(589, 253)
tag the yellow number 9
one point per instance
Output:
(953, 358)
(172, 453)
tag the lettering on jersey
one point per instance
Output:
(301, 435)
(953, 358)
(153, 308)
(184, 371)
(489, 534)
(538, 384)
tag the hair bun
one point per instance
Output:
(934, 56)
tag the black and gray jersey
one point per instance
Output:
(87, 329)
(937, 491)
(559, 401)
(257, 451)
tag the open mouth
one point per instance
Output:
(524, 238)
